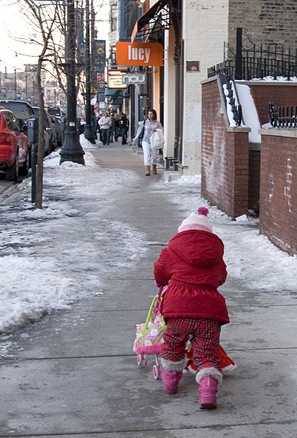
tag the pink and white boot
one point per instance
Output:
(171, 373)
(171, 380)
(208, 379)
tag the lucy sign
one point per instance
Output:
(141, 54)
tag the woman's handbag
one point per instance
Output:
(157, 139)
(149, 336)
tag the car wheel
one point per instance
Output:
(12, 173)
(50, 147)
(26, 166)
(55, 142)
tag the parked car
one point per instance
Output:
(14, 146)
(50, 140)
(56, 111)
(59, 117)
(59, 124)
(21, 109)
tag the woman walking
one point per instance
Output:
(149, 154)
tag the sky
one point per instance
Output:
(39, 269)
(13, 54)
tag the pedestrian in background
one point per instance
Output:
(112, 128)
(104, 124)
(192, 266)
(117, 130)
(151, 125)
(124, 126)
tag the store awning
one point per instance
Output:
(152, 14)
(110, 92)
(113, 93)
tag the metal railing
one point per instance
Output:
(256, 61)
(283, 117)
(230, 97)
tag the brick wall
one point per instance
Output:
(225, 156)
(267, 21)
(237, 176)
(279, 93)
(278, 189)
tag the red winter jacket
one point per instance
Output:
(193, 267)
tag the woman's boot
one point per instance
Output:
(154, 166)
(147, 170)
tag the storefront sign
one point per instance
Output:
(101, 87)
(142, 54)
(114, 79)
(99, 55)
(133, 78)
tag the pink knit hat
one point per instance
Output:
(196, 221)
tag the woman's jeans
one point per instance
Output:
(105, 136)
(124, 135)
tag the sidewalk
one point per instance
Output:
(74, 373)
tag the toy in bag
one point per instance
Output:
(149, 335)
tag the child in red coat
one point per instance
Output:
(192, 266)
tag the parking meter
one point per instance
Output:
(32, 130)
(33, 140)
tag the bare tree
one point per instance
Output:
(47, 29)
(44, 24)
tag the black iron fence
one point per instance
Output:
(251, 61)
(231, 99)
(283, 117)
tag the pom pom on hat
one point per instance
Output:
(203, 210)
(196, 221)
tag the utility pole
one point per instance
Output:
(71, 149)
(88, 131)
(92, 47)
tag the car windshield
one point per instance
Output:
(54, 111)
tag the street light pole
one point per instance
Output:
(88, 131)
(71, 149)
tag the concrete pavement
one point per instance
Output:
(74, 373)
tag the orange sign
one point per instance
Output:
(141, 54)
